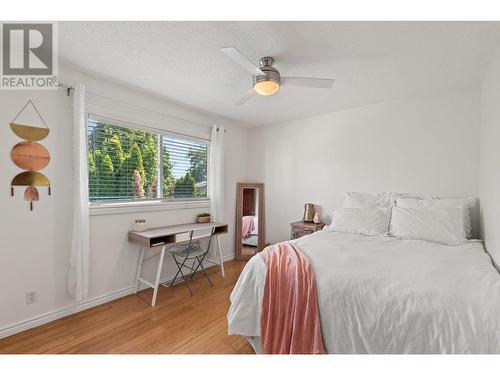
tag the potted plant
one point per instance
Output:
(203, 218)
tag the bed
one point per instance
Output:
(249, 231)
(251, 240)
(388, 295)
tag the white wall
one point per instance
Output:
(489, 182)
(35, 246)
(425, 145)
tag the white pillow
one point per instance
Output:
(436, 203)
(442, 225)
(367, 221)
(360, 200)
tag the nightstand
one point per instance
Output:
(301, 228)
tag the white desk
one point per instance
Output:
(165, 237)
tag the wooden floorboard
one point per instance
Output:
(177, 324)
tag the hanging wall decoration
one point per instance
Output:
(30, 156)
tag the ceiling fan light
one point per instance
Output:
(266, 87)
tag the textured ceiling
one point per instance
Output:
(370, 61)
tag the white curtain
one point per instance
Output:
(216, 179)
(78, 277)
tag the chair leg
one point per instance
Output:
(205, 272)
(199, 262)
(192, 268)
(177, 274)
(179, 267)
(187, 284)
(196, 269)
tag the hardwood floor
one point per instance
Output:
(177, 324)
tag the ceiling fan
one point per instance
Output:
(267, 79)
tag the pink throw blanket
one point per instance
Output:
(247, 225)
(289, 323)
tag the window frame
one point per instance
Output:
(110, 206)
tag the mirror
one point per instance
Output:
(250, 220)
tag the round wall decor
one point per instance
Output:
(30, 156)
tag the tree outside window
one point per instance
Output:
(127, 163)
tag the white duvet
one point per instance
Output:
(386, 295)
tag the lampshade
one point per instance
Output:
(266, 87)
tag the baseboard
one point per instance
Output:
(39, 320)
(61, 313)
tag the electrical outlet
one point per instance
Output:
(31, 297)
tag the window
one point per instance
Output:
(131, 164)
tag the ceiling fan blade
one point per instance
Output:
(245, 98)
(319, 83)
(242, 60)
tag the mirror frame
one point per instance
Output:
(239, 215)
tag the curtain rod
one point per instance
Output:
(69, 88)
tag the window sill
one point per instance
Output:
(117, 208)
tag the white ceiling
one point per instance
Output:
(370, 61)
